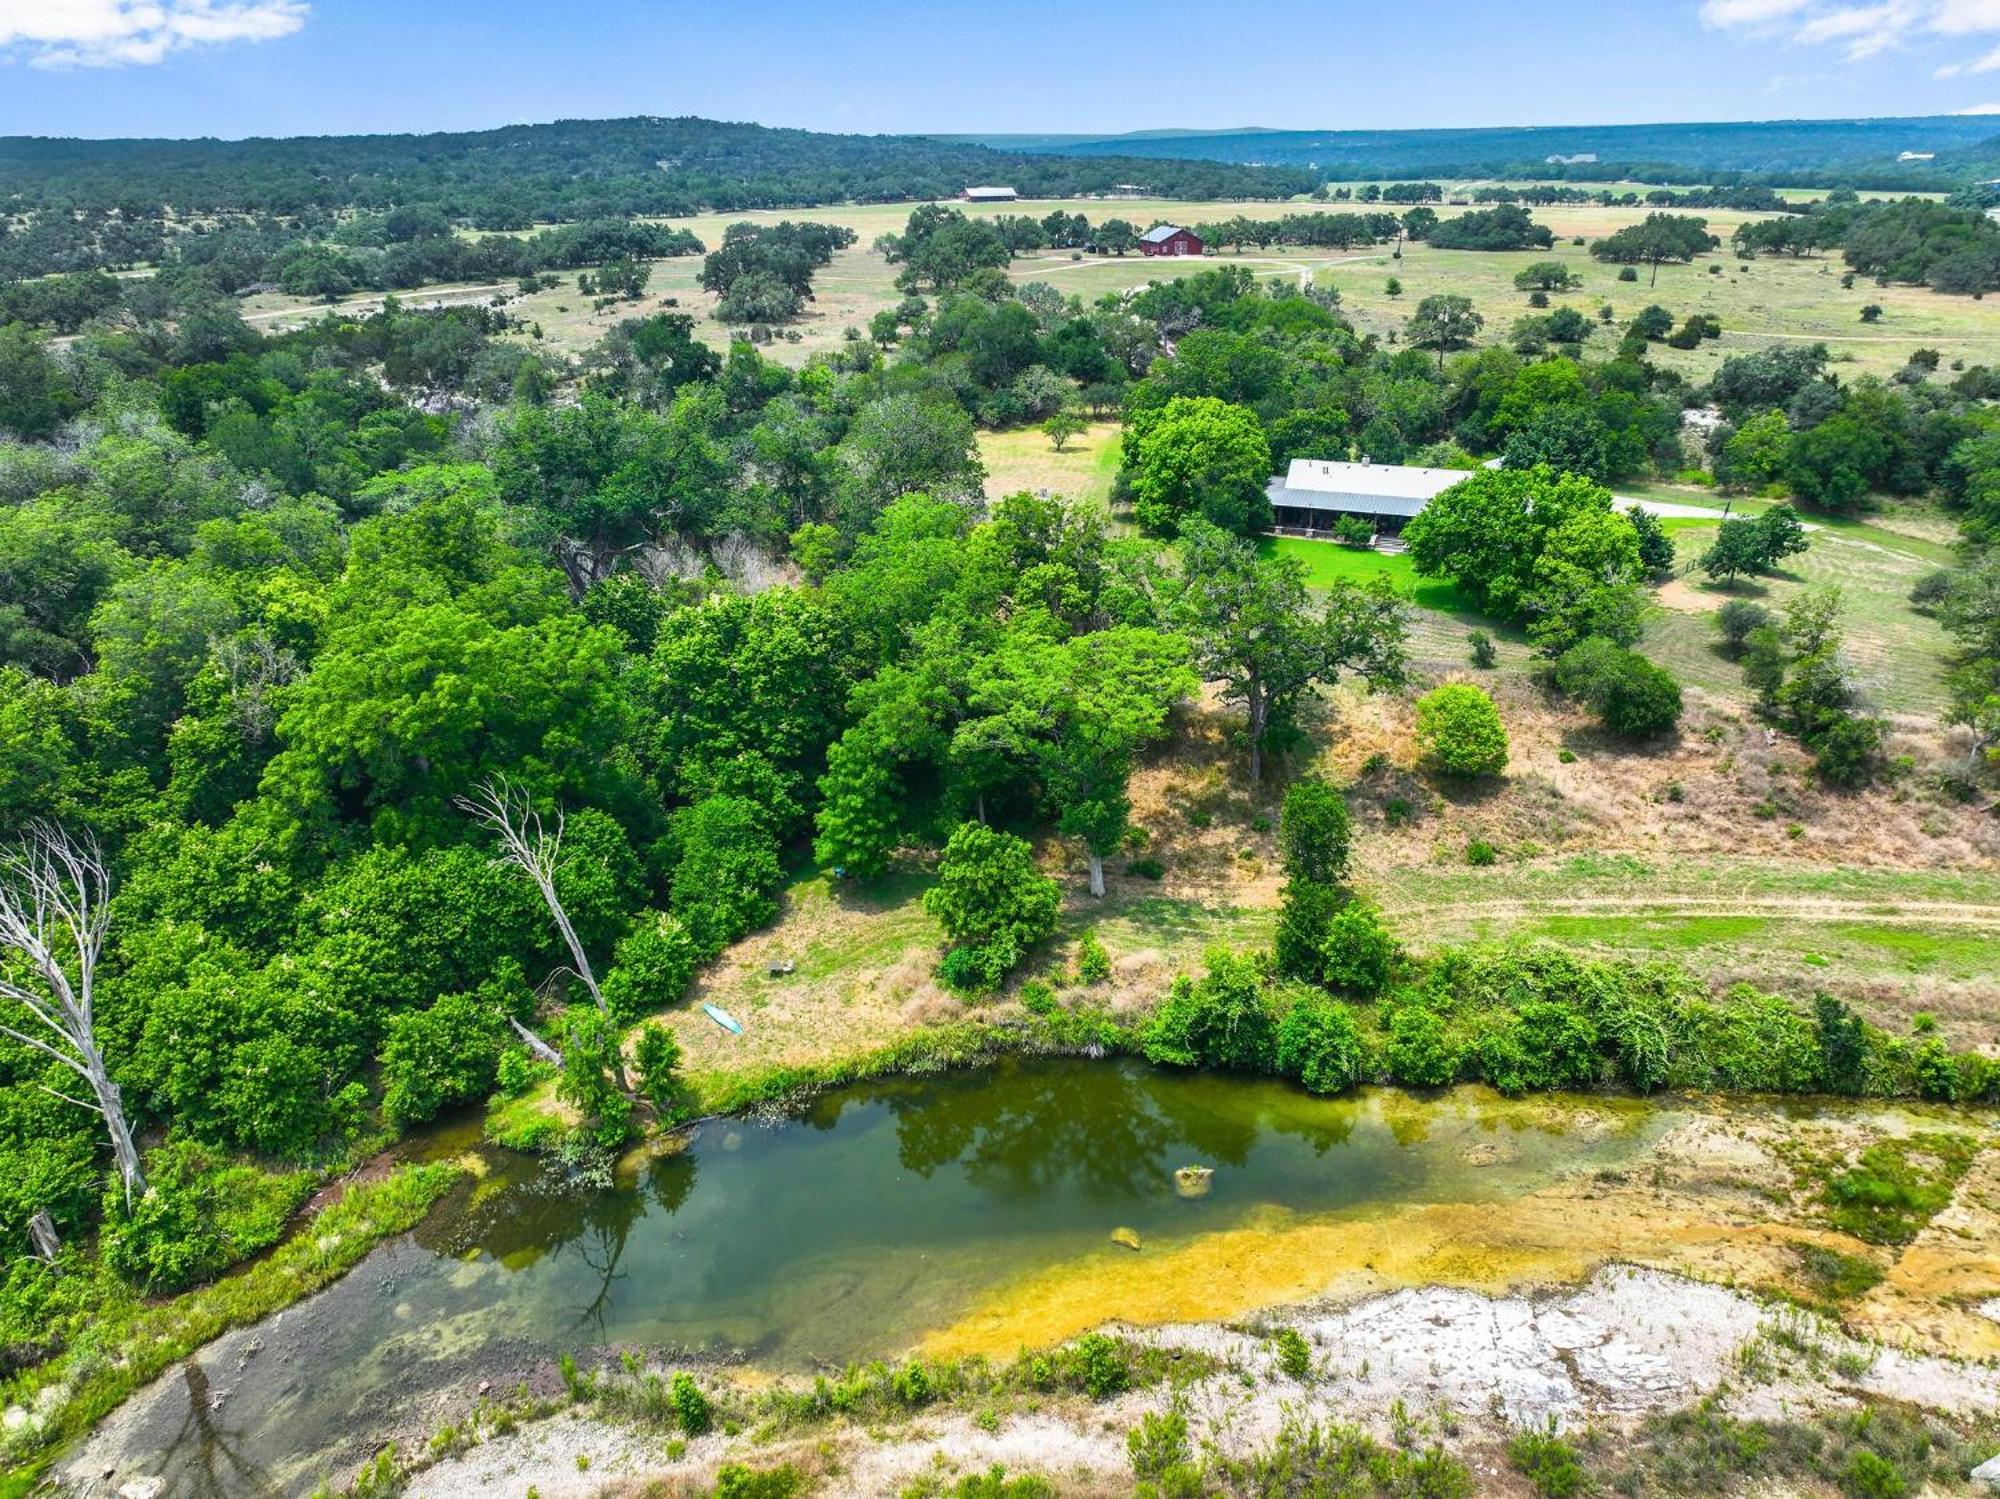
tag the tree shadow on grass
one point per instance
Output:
(1585, 740)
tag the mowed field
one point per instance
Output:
(1758, 303)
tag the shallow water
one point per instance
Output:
(882, 1213)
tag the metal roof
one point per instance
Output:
(1363, 488)
(1389, 480)
(1160, 233)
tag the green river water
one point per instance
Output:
(883, 1212)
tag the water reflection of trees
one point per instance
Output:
(1113, 1130)
(1023, 1130)
(553, 1218)
(207, 1462)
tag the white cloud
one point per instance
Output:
(1867, 29)
(1988, 62)
(1728, 13)
(1979, 109)
(120, 33)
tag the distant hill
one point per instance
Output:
(573, 169)
(1809, 152)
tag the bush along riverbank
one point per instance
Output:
(1336, 1003)
(1348, 1008)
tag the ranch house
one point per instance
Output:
(1314, 493)
(1170, 239)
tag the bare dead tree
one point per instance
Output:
(536, 1044)
(43, 1237)
(55, 904)
(528, 845)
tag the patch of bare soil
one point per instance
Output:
(1434, 1363)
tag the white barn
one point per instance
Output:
(1315, 492)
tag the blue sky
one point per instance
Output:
(240, 67)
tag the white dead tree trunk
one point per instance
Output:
(531, 848)
(42, 1235)
(55, 903)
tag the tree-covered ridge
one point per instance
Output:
(572, 169)
(1858, 153)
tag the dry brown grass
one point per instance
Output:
(1713, 848)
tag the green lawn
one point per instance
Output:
(1329, 561)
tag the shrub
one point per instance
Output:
(1093, 963)
(1304, 913)
(167, 1238)
(1420, 1055)
(1547, 1462)
(432, 1059)
(1431, 1474)
(1356, 951)
(656, 1056)
(1843, 1045)
(736, 1481)
(1629, 694)
(990, 897)
(691, 1407)
(1931, 590)
(1147, 868)
(1220, 1021)
(1158, 1445)
(1100, 1365)
(1480, 854)
(1736, 619)
(726, 880)
(1847, 750)
(1320, 1045)
(519, 1071)
(992, 1484)
(589, 1054)
(1294, 1353)
(1868, 1476)
(1480, 644)
(1315, 835)
(1459, 731)
(652, 966)
(912, 1385)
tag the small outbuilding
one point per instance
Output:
(990, 195)
(1170, 239)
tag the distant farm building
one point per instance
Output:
(990, 195)
(1170, 239)
(1580, 159)
(1916, 156)
(1316, 492)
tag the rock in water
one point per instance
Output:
(1193, 1181)
(1129, 1237)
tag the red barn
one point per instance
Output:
(1170, 239)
